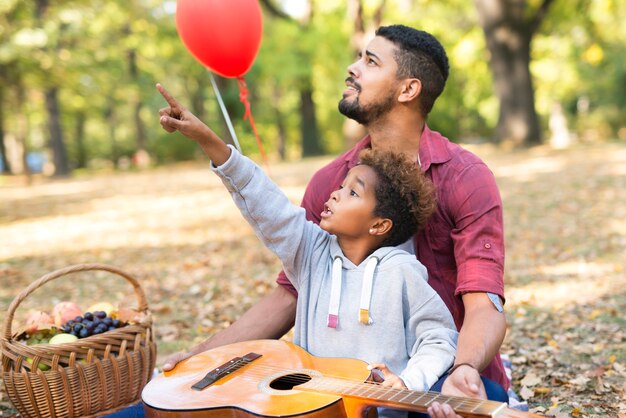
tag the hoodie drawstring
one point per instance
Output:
(335, 294)
(366, 292)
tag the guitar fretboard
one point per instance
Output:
(410, 399)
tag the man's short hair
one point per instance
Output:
(419, 55)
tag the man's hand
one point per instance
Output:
(465, 382)
(390, 379)
(176, 117)
(174, 359)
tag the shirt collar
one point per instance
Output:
(352, 156)
(433, 149)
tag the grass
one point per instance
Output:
(175, 229)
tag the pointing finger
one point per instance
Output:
(168, 97)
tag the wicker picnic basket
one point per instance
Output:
(92, 376)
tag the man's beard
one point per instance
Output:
(369, 113)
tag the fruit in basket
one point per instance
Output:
(38, 317)
(36, 320)
(63, 338)
(41, 336)
(102, 307)
(64, 311)
(41, 366)
(91, 323)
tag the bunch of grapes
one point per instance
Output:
(91, 324)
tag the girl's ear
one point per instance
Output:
(411, 89)
(381, 226)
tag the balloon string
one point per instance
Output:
(243, 98)
(229, 124)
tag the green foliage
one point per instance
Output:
(170, 148)
(105, 58)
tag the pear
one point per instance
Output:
(105, 307)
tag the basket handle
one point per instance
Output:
(141, 297)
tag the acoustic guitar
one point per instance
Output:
(270, 378)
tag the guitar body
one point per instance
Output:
(270, 378)
(248, 392)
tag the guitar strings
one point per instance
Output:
(299, 376)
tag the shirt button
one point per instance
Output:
(487, 246)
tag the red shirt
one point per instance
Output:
(462, 246)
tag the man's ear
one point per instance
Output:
(411, 89)
(381, 226)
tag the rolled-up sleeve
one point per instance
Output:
(478, 234)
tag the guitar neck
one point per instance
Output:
(377, 395)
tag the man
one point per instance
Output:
(391, 89)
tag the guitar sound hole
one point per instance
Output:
(288, 381)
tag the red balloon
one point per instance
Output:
(224, 35)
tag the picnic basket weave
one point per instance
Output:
(92, 376)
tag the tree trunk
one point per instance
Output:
(311, 144)
(81, 151)
(61, 164)
(110, 117)
(517, 121)
(140, 130)
(309, 132)
(508, 35)
(198, 98)
(22, 127)
(6, 167)
(280, 124)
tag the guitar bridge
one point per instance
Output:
(225, 369)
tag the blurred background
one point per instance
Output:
(77, 77)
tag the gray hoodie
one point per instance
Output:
(381, 311)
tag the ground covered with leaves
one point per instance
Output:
(176, 230)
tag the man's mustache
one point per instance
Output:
(350, 81)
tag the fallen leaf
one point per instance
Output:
(526, 393)
(579, 381)
(542, 390)
(530, 379)
(553, 411)
(597, 372)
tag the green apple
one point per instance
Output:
(63, 338)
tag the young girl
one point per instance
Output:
(358, 295)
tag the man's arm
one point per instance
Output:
(480, 338)
(270, 318)
(482, 333)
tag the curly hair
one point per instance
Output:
(419, 55)
(403, 193)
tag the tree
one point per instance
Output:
(4, 161)
(309, 130)
(509, 28)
